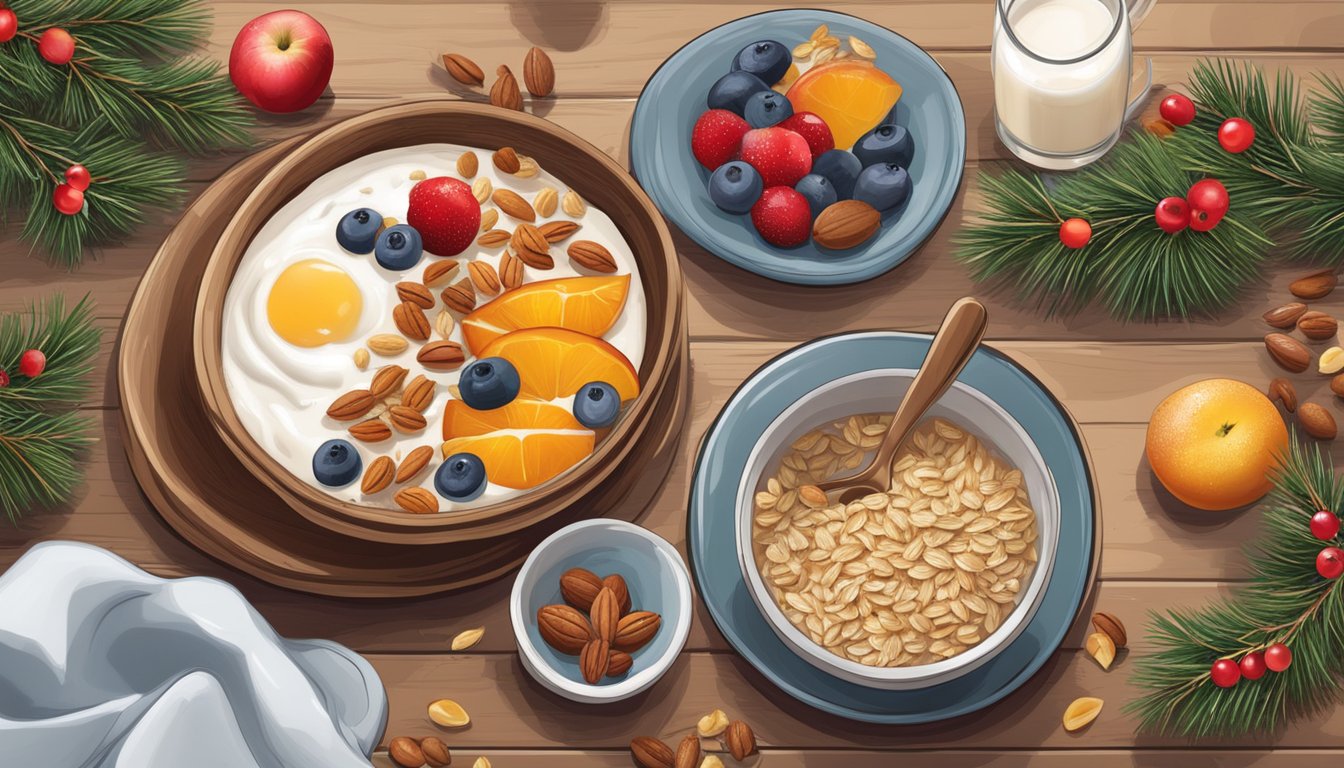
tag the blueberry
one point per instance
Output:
(883, 186)
(765, 59)
(597, 405)
(841, 168)
(399, 247)
(818, 192)
(336, 463)
(357, 230)
(735, 187)
(461, 477)
(767, 108)
(489, 383)
(886, 144)
(733, 89)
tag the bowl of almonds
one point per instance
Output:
(600, 610)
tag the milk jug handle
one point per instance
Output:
(1138, 11)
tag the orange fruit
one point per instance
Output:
(523, 459)
(461, 420)
(852, 96)
(1215, 443)
(555, 362)
(588, 305)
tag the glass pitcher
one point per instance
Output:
(1062, 71)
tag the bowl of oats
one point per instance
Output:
(909, 588)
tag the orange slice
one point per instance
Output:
(852, 96)
(554, 362)
(461, 420)
(523, 459)
(588, 305)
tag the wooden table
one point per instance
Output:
(1157, 554)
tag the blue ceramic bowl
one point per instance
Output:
(658, 582)
(660, 149)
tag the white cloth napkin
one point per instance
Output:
(105, 666)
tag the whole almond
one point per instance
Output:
(1283, 390)
(538, 73)
(407, 420)
(557, 231)
(441, 355)
(651, 753)
(436, 752)
(484, 277)
(351, 405)
(439, 272)
(387, 380)
(387, 344)
(371, 431)
(510, 271)
(411, 321)
(1317, 422)
(545, 202)
(619, 663)
(688, 753)
(493, 238)
(846, 224)
(468, 164)
(405, 752)
(1316, 285)
(579, 587)
(505, 159)
(1285, 316)
(564, 628)
(513, 205)
(605, 614)
(1291, 354)
(417, 500)
(415, 293)
(418, 394)
(1337, 385)
(378, 476)
(635, 630)
(460, 296)
(593, 660)
(741, 740)
(591, 256)
(527, 237)
(616, 583)
(504, 93)
(463, 70)
(1317, 326)
(414, 463)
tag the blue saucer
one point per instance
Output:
(660, 149)
(711, 539)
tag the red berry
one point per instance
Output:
(782, 157)
(1225, 673)
(1172, 214)
(68, 200)
(1236, 134)
(1253, 666)
(783, 217)
(1278, 657)
(717, 137)
(814, 131)
(9, 25)
(1330, 562)
(1209, 203)
(32, 363)
(78, 177)
(1074, 233)
(4, 378)
(56, 46)
(1177, 109)
(445, 213)
(1324, 525)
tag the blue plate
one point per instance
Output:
(712, 532)
(660, 149)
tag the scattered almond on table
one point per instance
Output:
(735, 737)
(1081, 712)
(1294, 356)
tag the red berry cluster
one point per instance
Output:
(1236, 134)
(69, 197)
(31, 364)
(1226, 672)
(1206, 202)
(1330, 560)
(55, 45)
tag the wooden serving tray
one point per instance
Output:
(218, 506)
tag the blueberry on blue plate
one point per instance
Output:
(767, 108)
(461, 477)
(766, 59)
(818, 192)
(886, 144)
(357, 230)
(883, 186)
(596, 405)
(336, 463)
(731, 91)
(841, 168)
(489, 383)
(735, 186)
(399, 247)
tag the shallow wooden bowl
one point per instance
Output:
(593, 174)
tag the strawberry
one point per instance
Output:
(445, 213)
(717, 136)
(783, 217)
(813, 130)
(781, 156)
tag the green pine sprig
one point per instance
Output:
(42, 436)
(1286, 601)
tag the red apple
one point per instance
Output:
(281, 61)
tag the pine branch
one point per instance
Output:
(121, 27)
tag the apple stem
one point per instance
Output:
(1226, 428)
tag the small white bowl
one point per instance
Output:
(879, 391)
(658, 582)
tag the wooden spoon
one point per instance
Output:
(952, 347)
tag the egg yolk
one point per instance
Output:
(313, 303)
